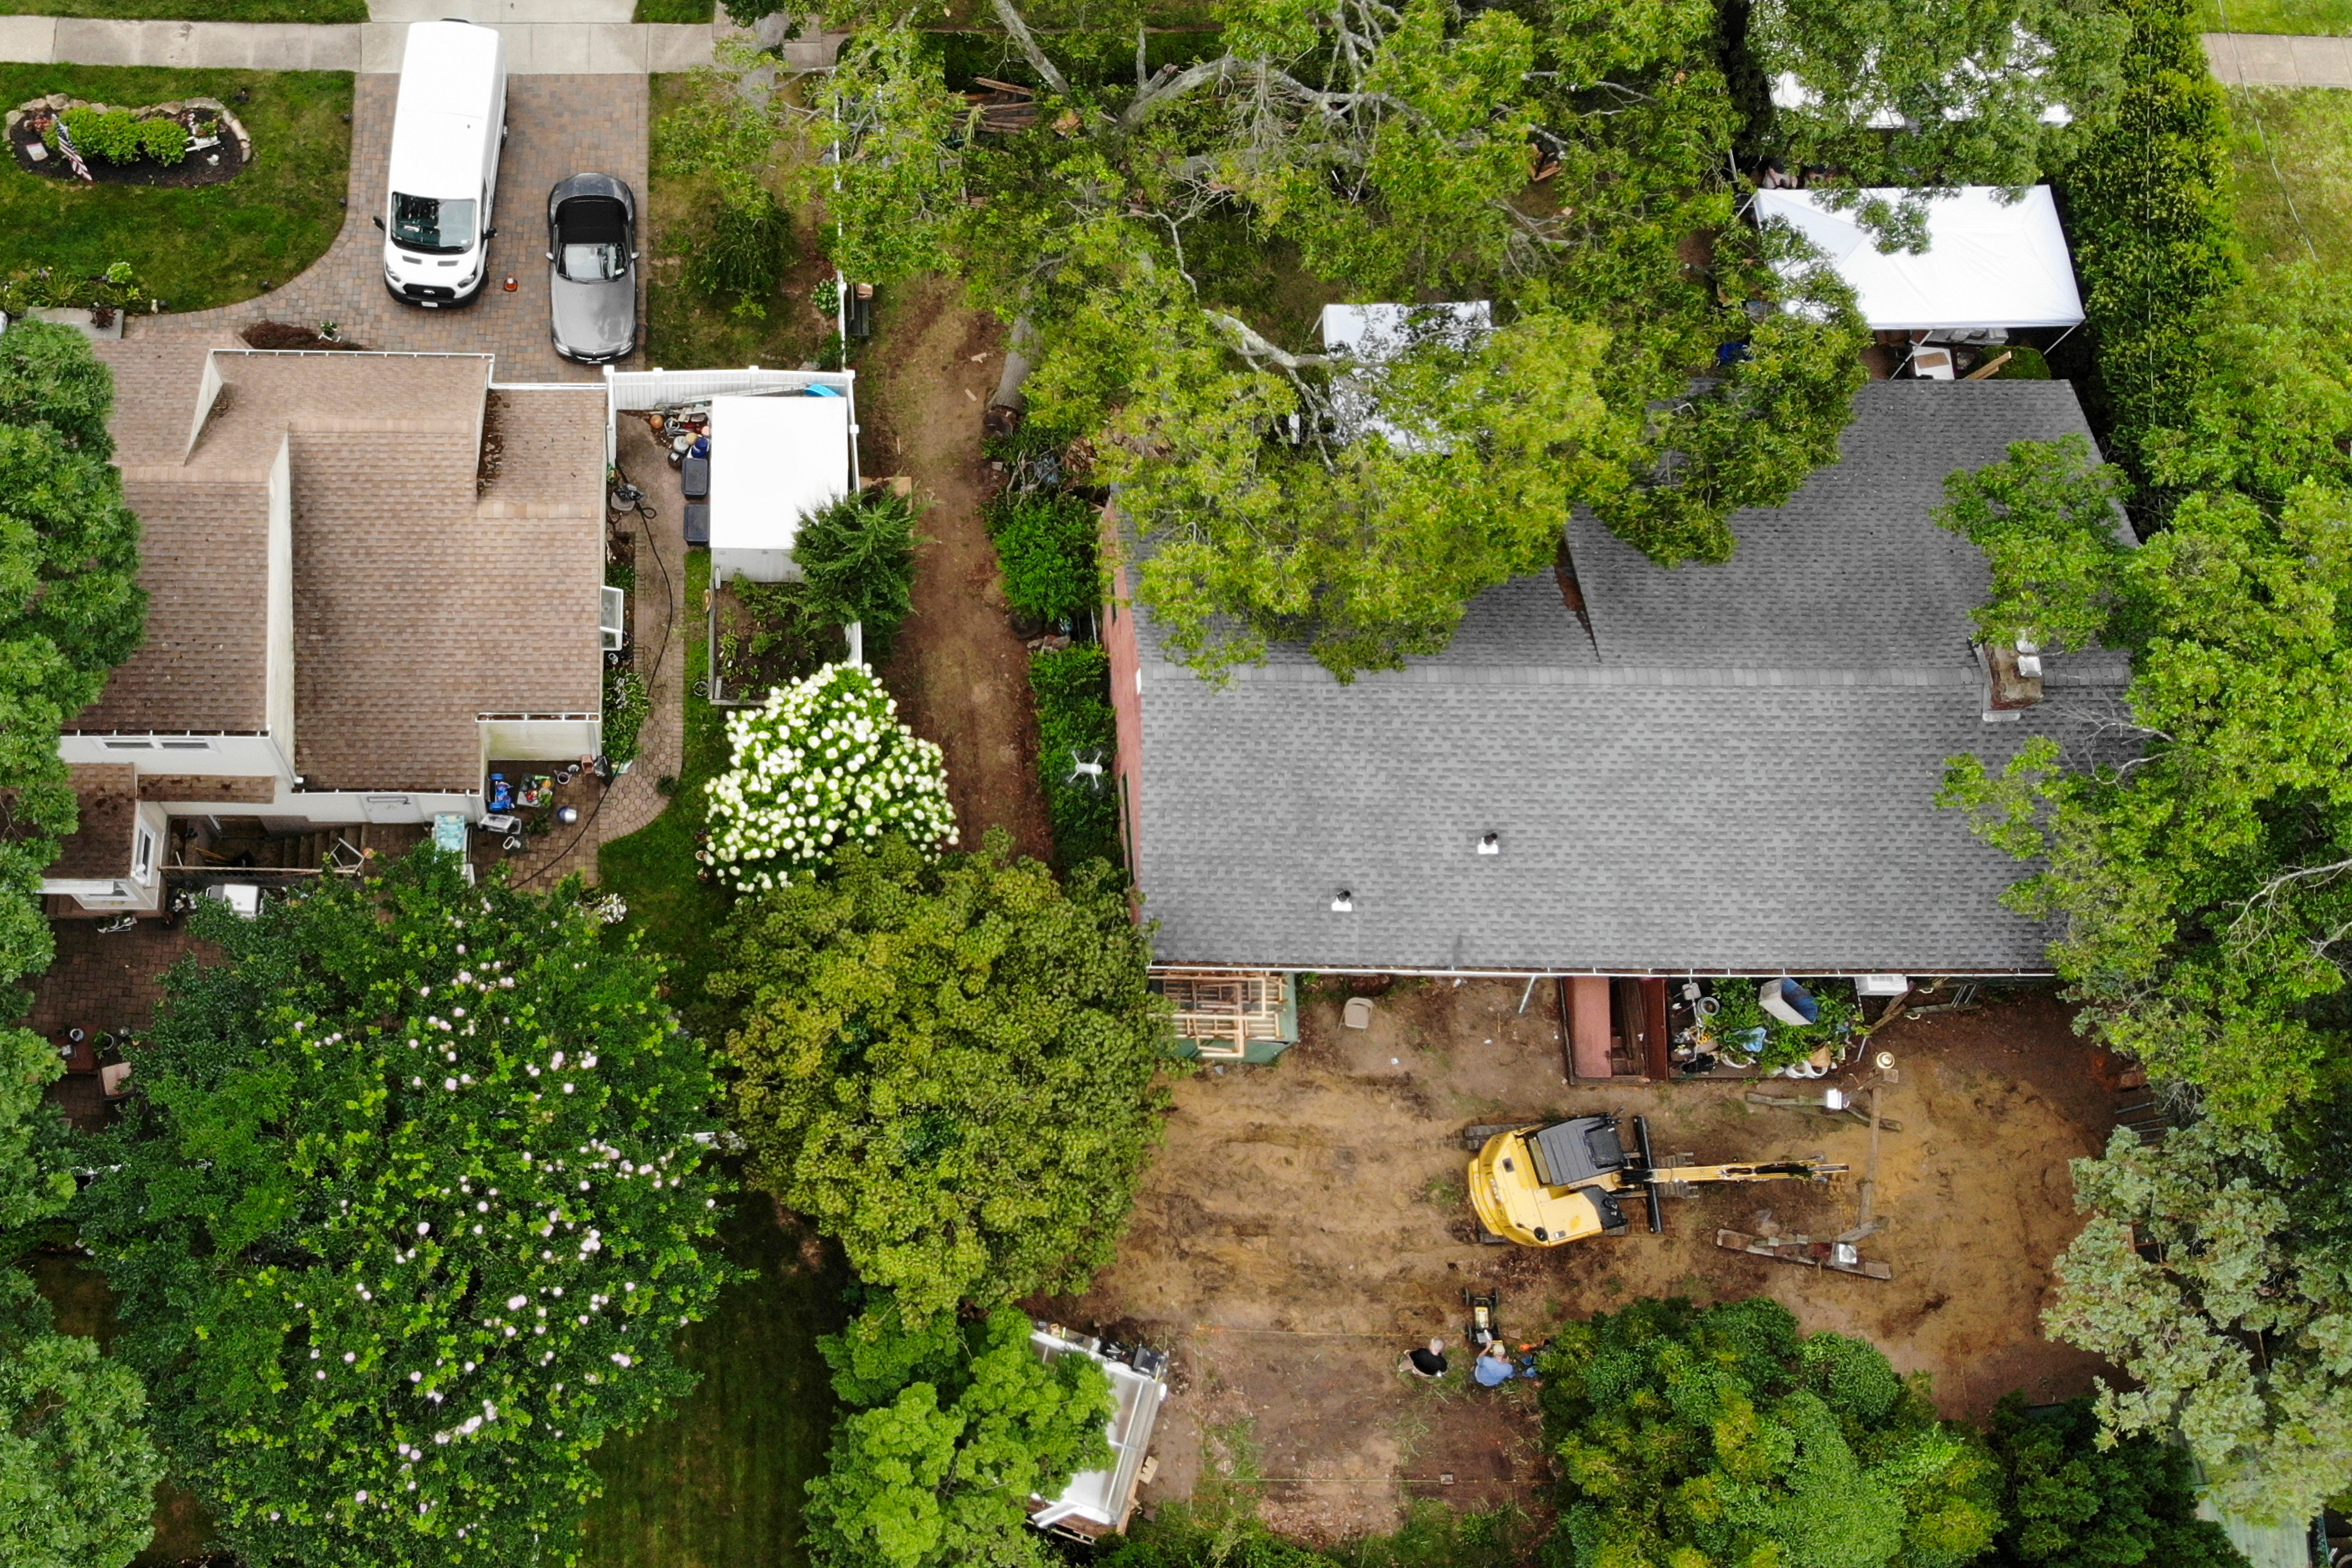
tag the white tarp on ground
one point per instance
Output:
(773, 458)
(1986, 265)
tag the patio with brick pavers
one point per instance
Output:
(103, 983)
(557, 126)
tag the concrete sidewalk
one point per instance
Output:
(2272, 59)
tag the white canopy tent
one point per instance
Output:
(774, 457)
(1986, 266)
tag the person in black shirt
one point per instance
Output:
(1427, 1361)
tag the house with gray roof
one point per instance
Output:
(368, 575)
(1617, 769)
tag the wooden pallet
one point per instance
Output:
(1804, 1251)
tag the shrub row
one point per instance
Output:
(1045, 544)
(2147, 203)
(1075, 723)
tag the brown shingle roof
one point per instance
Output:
(155, 385)
(100, 848)
(204, 558)
(418, 605)
(204, 555)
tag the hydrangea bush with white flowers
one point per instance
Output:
(407, 1218)
(821, 763)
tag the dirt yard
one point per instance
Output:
(960, 675)
(1307, 1223)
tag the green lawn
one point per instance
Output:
(2329, 17)
(682, 327)
(720, 1483)
(653, 868)
(673, 10)
(203, 246)
(195, 10)
(2303, 208)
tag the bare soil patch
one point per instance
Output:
(959, 673)
(1306, 1222)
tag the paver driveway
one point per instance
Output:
(557, 126)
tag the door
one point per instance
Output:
(391, 809)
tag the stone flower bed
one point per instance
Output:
(187, 142)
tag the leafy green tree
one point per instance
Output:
(954, 1426)
(2195, 843)
(77, 1471)
(2214, 1273)
(1688, 1435)
(952, 1067)
(1166, 235)
(407, 1218)
(2273, 406)
(1929, 97)
(70, 607)
(857, 556)
(2069, 1503)
(35, 1182)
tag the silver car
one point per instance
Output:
(591, 284)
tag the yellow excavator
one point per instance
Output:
(1546, 1186)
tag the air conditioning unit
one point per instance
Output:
(613, 622)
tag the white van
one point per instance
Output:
(446, 131)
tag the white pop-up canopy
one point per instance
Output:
(1986, 265)
(773, 457)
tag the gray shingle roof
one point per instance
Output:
(1740, 777)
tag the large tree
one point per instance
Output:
(77, 1471)
(1165, 226)
(952, 1067)
(2216, 1271)
(70, 607)
(2198, 845)
(2067, 1502)
(407, 1216)
(953, 1427)
(1688, 1435)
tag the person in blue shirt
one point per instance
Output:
(1494, 1367)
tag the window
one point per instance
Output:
(593, 263)
(186, 744)
(143, 855)
(613, 620)
(439, 224)
(128, 745)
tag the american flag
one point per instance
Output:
(66, 146)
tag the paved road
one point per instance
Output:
(558, 125)
(2269, 59)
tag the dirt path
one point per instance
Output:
(960, 675)
(1306, 1222)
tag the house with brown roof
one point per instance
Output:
(368, 574)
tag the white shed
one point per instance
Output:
(1988, 265)
(774, 457)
